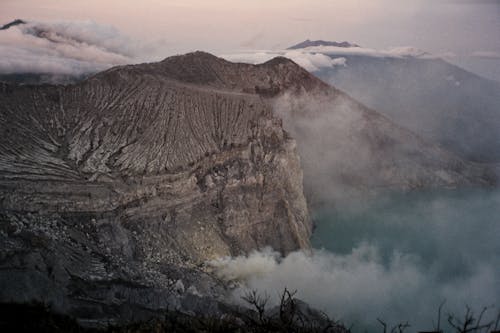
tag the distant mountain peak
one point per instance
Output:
(315, 43)
(12, 24)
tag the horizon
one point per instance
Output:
(464, 32)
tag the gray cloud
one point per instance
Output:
(222, 25)
(67, 48)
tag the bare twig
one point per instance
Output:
(258, 302)
(383, 324)
(400, 328)
(438, 328)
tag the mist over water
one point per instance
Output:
(394, 257)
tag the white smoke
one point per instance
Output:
(359, 287)
(406, 262)
(314, 61)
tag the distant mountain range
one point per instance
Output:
(313, 43)
(439, 101)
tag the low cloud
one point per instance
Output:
(486, 54)
(65, 48)
(308, 60)
(319, 57)
(314, 61)
(76, 48)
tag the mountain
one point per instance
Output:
(437, 100)
(12, 24)
(315, 43)
(115, 191)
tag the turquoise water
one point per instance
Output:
(463, 224)
(396, 257)
(450, 239)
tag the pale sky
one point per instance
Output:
(462, 27)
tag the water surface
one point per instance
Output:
(448, 239)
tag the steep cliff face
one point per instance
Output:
(346, 147)
(113, 189)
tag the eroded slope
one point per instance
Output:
(128, 181)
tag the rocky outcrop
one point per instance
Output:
(115, 191)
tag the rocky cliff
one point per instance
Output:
(115, 190)
(348, 150)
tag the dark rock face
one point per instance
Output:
(12, 24)
(314, 43)
(115, 190)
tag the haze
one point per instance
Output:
(465, 31)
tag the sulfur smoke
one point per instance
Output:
(398, 261)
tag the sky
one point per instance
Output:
(467, 29)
